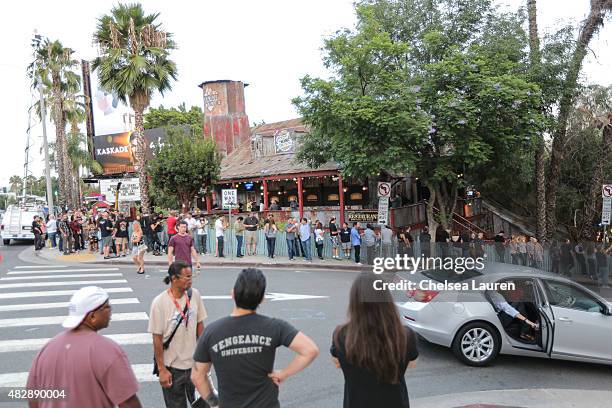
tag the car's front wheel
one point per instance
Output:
(6, 241)
(476, 344)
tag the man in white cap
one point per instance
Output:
(92, 370)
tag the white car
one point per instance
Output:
(575, 323)
(17, 222)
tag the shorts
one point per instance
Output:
(334, 241)
(107, 241)
(121, 241)
(346, 246)
(250, 237)
(139, 248)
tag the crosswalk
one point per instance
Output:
(34, 303)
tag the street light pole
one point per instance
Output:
(43, 119)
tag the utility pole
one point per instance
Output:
(43, 120)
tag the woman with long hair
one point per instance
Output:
(138, 246)
(373, 349)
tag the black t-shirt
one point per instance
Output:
(122, 228)
(106, 227)
(333, 229)
(361, 387)
(242, 351)
(250, 223)
(345, 235)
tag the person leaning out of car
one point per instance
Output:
(373, 369)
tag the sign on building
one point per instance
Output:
(384, 189)
(129, 191)
(229, 198)
(363, 216)
(383, 211)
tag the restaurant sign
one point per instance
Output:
(362, 216)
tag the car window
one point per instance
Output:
(569, 296)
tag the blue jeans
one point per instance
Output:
(291, 248)
(239, 239)
(52, 236)
(307, 249)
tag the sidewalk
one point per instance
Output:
(522, 398)
(48, 254)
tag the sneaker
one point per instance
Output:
(358, 263)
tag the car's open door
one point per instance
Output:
(541, 343)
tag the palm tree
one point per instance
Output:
(53, 67)
(133, 63)
(15, 184)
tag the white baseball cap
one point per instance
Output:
(82, 302)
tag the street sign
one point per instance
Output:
(383, 210)
(606, 191)
(229, 198)
(384, 189)
(606, 211)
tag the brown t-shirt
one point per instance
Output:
(92, 369)
(163, 318)
(182, 247)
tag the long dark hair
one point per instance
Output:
(374, 336)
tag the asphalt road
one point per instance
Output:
(321, 385)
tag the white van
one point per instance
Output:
(17, 222)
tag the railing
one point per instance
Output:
(463, 223)
(409, 215)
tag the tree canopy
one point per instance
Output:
(443, 106)
(184, 166)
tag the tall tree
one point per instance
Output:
(134, 63)
(459, 110)
(540, 159)
(184, 166)
(54, 65)
(595, 20)
(16, 184)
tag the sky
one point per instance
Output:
(269, 44)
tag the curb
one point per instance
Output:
(284, 265)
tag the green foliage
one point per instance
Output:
(34, 186)
(163, 117)
(582, 151)
(184, 165)
(134, 54)
(435, 101)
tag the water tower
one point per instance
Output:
(225, 119)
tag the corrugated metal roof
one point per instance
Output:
(241, 164)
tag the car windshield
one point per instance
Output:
(442, 275)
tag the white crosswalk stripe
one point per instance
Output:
(142, 371)
(38, 266)
(77, 275)
(11, 346)
(64, 283)
(45, 320)
(63, 271)
(57, 305)
(47, 307)
(45, 293)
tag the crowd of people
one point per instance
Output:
(240, 347)
(115, 235)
